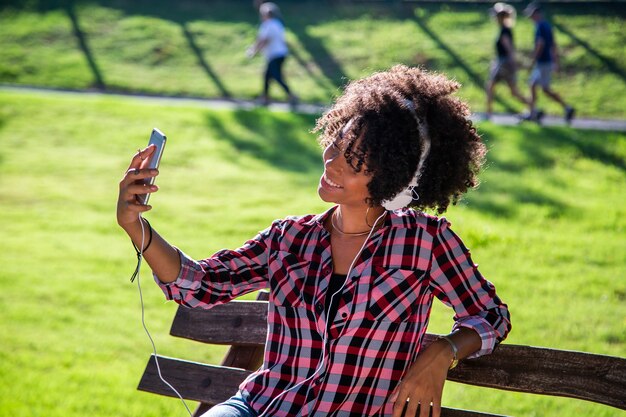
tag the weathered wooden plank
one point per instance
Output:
(236, 322)
(586, 376)
(213, 384)
(194, 381)
(244, 357)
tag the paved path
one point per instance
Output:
(500, 119)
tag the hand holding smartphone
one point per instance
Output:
(156, 138)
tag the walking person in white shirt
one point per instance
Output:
(271, 40)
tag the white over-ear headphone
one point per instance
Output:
(404, 197)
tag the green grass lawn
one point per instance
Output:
(547, 226)
(197, 48)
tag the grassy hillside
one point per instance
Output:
(197, 48)
(547, 226)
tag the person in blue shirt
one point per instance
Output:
(545, 59)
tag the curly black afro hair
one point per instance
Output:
(384, 136)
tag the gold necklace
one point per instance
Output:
(335, 227)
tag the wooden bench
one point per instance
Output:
(242, 324)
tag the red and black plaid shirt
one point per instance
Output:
(351, 366)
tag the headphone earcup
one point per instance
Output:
(403, 199)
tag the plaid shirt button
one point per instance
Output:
(319, 307)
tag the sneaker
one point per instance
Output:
(262, 100)
(293, 100)
(569, 114)
(526, 117)
(535, 116)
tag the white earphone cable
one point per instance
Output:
(143, 321)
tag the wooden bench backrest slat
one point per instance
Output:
(234, 323)
(194, 381)
(586, 376)
(243, 325)
(213, 384)
(597, 378)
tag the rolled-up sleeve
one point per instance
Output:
(456, 281)
(222, 277)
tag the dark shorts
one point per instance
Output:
(503, 70)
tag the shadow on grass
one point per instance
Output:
(543, 145)
(488, 199)
(84, 47)
(541, 149)
(203, 63)
(276, 140)
(611, 64)
(323, 57)
(587, 144)
(322, 83)
(458, 60)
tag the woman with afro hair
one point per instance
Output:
(351, 289)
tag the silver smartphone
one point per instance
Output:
(157, 138)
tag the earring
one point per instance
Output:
(366, 213)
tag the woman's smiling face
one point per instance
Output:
(340, 182)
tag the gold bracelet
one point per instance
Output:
(455, 351)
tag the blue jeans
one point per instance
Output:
(235, 406)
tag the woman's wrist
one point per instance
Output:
(132, 225)
(452, 349)
(464, 340)
(137, 230)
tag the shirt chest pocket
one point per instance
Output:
(288, 274)
(394, 294)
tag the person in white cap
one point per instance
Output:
(271, 40)
(504, 68)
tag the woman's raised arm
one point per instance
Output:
(162, 257)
